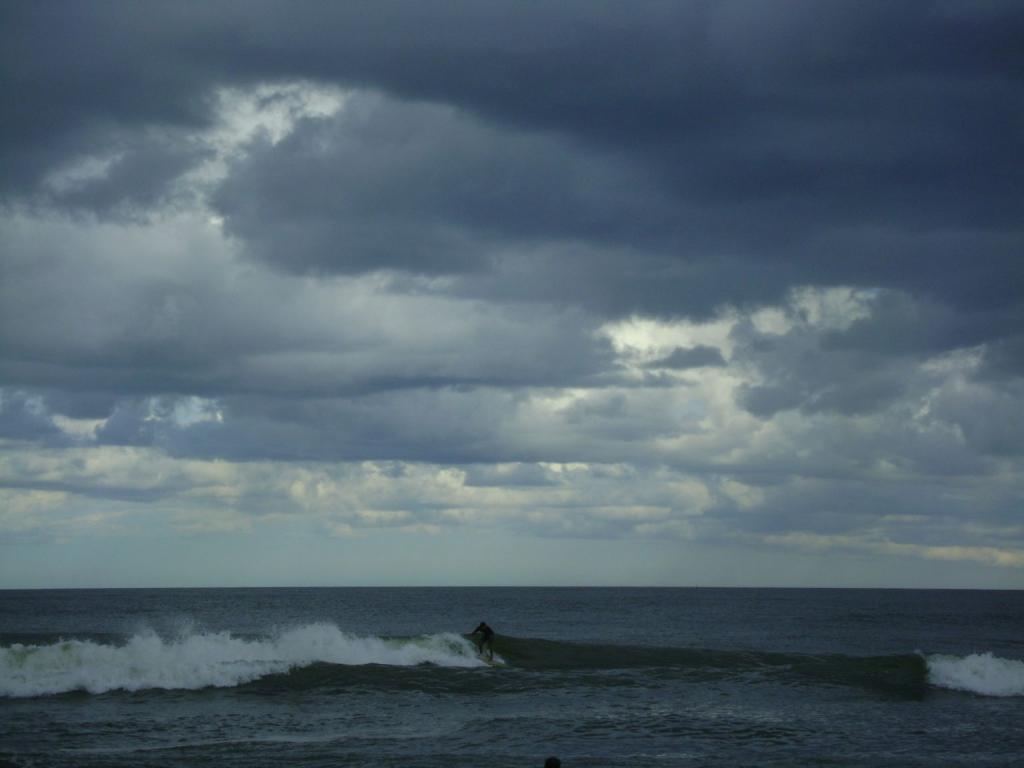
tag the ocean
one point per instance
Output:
(594, 676)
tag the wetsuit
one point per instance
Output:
(487, 635)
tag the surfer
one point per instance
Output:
(486, 638)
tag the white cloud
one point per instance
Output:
(643, 339)
(997, 556)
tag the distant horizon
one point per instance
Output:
(519, 586)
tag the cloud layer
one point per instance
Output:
(737, 276)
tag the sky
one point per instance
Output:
(577, 293)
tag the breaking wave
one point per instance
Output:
(202, 660)
(318, 655)
(980, 673)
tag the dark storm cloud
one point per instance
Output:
(138, 422)
(80, 405)
(804, 142)
(446, 427)
(900, 324)
(79, 78)
(800, 369)
(816, 155)
(666, 159)
(137, 179)
(1004, 359)
(23, 417)
(990, 419)
(426, 188)
(873, 361)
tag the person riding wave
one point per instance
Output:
(486, 640)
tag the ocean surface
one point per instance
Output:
(598, 677)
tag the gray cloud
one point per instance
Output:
(433, 190)
(801, 142)
(80, 405)
(690, 357)
(990, 419)
(516, 475)
(137, 179)
(433, 275)
(1004, 359)
(23, 417)
(102, 319)
(428, 189)
(801, 369)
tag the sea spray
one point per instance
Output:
(980, 673)
(217, 659)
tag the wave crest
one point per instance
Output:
(980, 673)
(201, 660)
(197, 660)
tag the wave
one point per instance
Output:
(980, 673)
(317, 655)
(983, 674)
(202, 660)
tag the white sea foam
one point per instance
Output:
(978, 673)
(198, 660)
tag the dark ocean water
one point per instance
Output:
(598, 677)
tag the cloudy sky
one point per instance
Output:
(717, 293)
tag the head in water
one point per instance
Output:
(552, 762)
